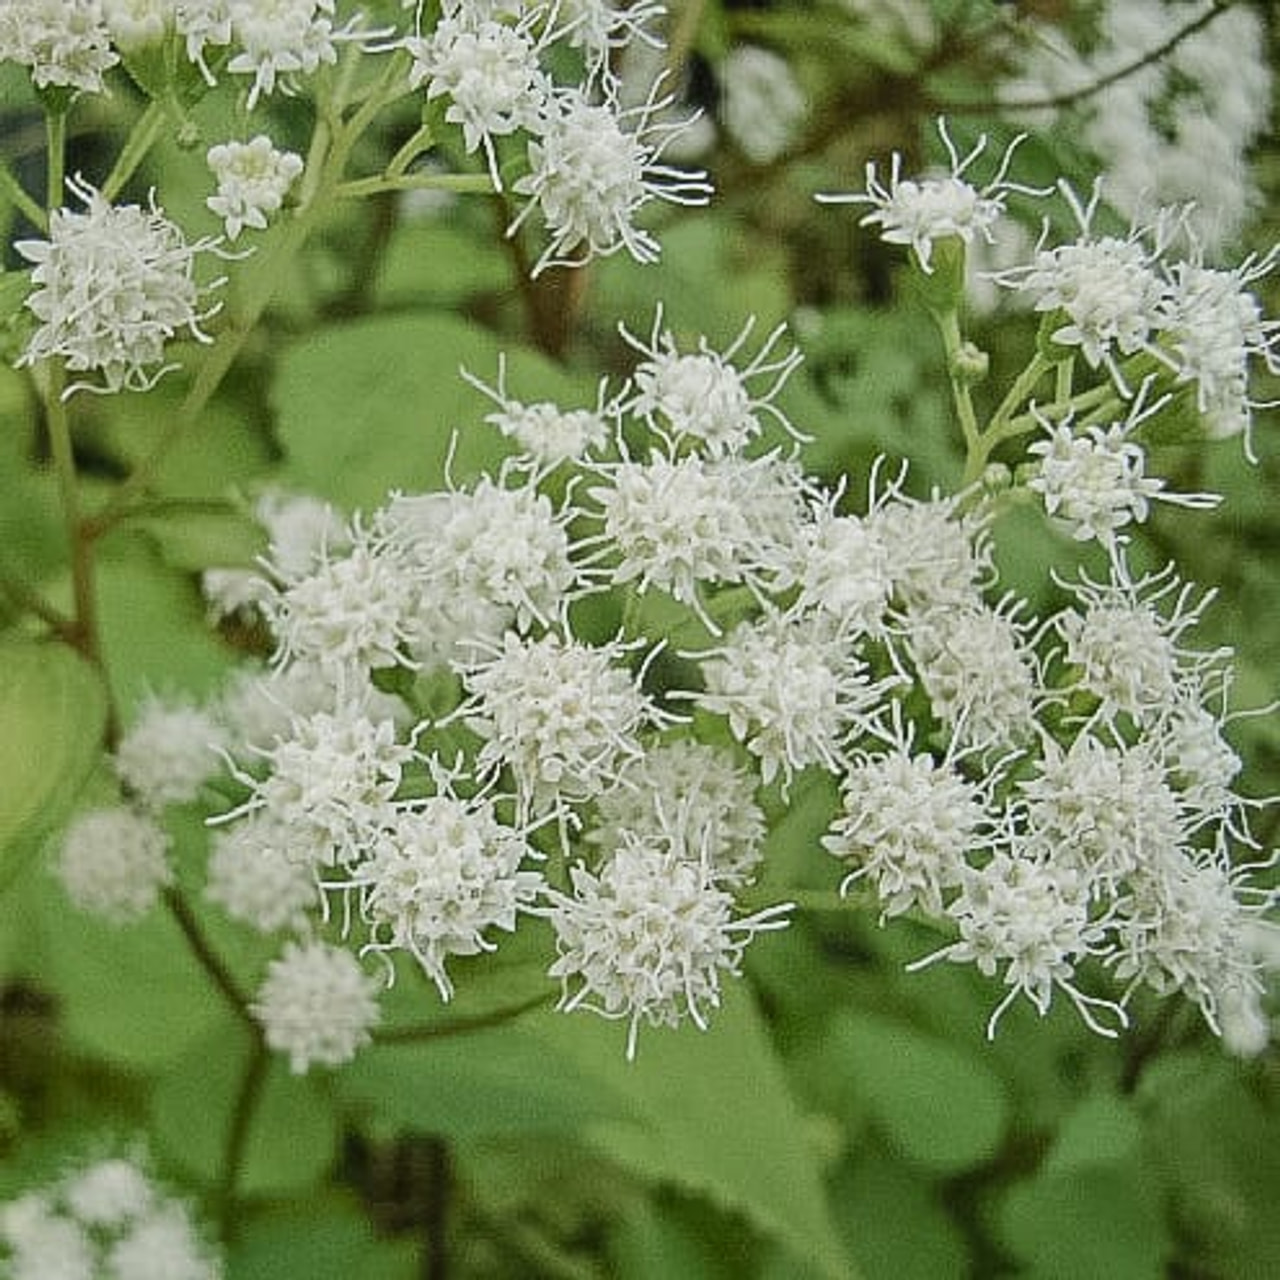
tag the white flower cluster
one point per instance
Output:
(1178, 128)
(1074, 786)
(105, 1219)
(1124, 303)
(253, 178)
(65, 45)
(588, 163)
(113, 285)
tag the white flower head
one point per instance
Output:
(921, 212)
(908, 821)
(253, 179)
(697, 523)
(648, 938)
(255, 876)
(135, 24)
(438, 878)
(66, 45)
(978, 668)
(330, 782)
(1126, 643)
(761, 103)
(489, 70)
(691, 798)
(1109, 290)
(793, 692)
(701, 398)
(113, 863)
(1093, 483)
(317, 1005)
(114, 284)
(547, 433)
(350, 612)
(1106, 812)
(591, 171)
(846, 570)
(1028, 919)
(277, 42)
(168, 753)
(565, 717)
(1216, 327)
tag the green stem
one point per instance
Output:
(467, 183)
(209, 959)
(1062, 382)
(84, 628)
(444, 1029)
(247, 1099)
(11, 187)
(1018, 394)
(948, 323)
(419, 142)
(56, 148)
(29, 601)
(140, 140)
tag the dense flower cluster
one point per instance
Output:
(106, 1218)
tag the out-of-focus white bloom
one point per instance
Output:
(648, 938)
(591, 172)
(330, 783)
(793, 692)
(701, 399)
(602, 29)
(106, 1221)
(113, 863)
(1029, 917)
(65, 44)
(438, 877)
(302, 530)
(109, 1193)
(488, 70)
(253, 178)
(564, 716)
(317, 1005)
(1215, 325)
(921, 212)
(161, 1246)
(1152, 128)
(691, 798)
(761, 103)
(255, 876)
(134, 24)
(114, 284)
(909, 822)
(979, 671)
(169, 752)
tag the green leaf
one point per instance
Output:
(321, 1239)
(131, 994)
(1102, 1130)
(292, 1135)
(937, 1105)
(492, 1081)
(895, 1226)
(154, 633)
(373, 405)
(715, 1117)
(1091, 1223)
(53, 711)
